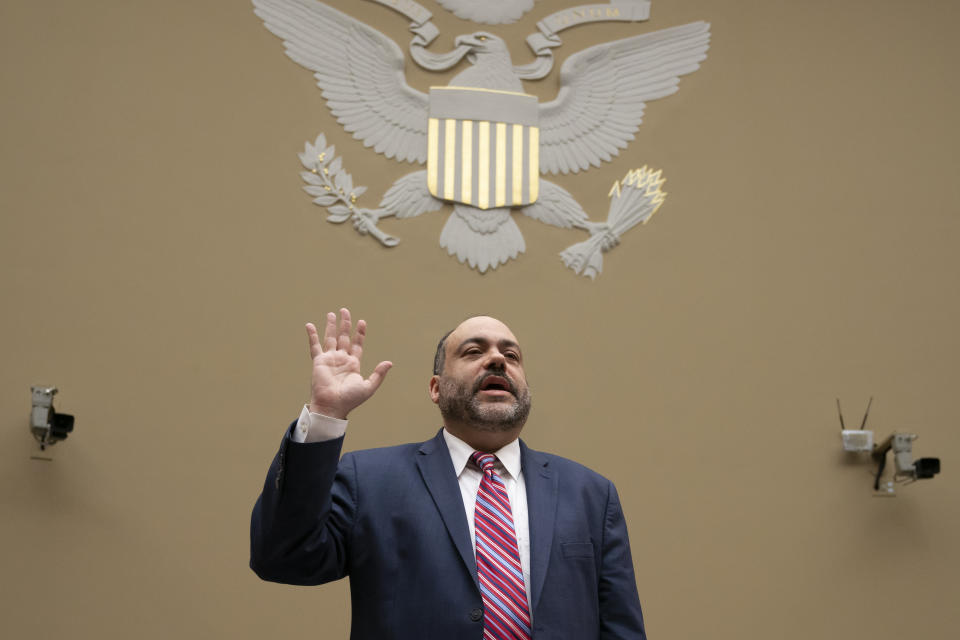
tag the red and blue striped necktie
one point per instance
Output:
(505, 612)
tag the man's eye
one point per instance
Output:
(512, 355)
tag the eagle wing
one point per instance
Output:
(603, 91)
(360, 72)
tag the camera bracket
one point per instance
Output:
(47, 426)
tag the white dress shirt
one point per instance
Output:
(316, 427)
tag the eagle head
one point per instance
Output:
(482, 43)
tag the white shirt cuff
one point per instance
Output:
(316, 427)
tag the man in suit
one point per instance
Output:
(468, 535)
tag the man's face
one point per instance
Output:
(483, 384)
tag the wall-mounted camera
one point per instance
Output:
(48, 426)
(906, 468)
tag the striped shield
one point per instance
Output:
(483, 147)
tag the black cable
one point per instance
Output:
(882, 462)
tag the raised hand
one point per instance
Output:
(337, 386)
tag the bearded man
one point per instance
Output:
(468, 535)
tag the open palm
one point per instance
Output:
(337, 385)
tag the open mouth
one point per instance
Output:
(495, 385)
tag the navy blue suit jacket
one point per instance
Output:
(393, 520)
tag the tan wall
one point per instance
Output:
(159, 260)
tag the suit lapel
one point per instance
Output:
(541, 483)
(433, 461)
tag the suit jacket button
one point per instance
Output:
(476, 614)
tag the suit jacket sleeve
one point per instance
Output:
(301, 525)
(620, 614)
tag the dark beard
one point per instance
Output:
(458, 403)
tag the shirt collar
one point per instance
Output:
(460, 452)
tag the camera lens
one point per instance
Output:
(927, 467)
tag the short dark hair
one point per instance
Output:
(439, 359)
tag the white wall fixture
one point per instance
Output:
(484, 141)
(47, 426)
(856, 439)
(906, 469)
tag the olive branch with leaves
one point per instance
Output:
(332, 187)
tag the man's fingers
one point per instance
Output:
(378, 375)
(314, 340)
(356, 349)
(330, 332)
(343, 339)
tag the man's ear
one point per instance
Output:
(435, 389)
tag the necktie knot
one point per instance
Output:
(484, 461)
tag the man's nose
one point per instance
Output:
(496, 360)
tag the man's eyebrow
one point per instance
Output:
(510, 344)
(483, 342)
(470, 341)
